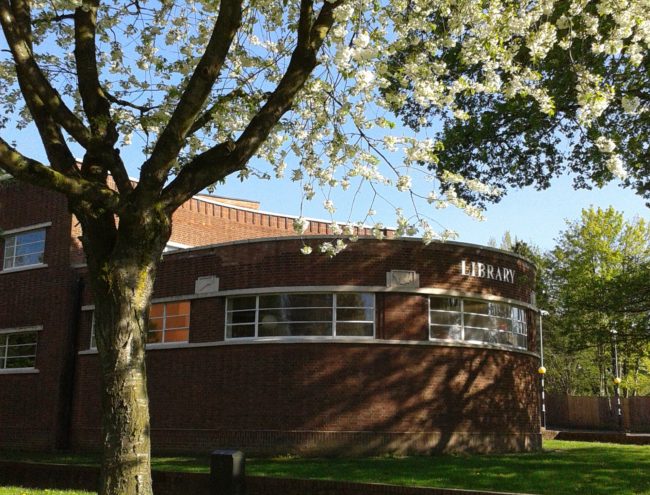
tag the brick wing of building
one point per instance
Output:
(390, 346)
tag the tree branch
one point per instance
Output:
(125, 103)
(155, 170)
(101, 155)
(222, 160)
(22, 167)
(206, 117)
(32, 78)
(94, 101)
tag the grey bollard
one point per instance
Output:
(227, 472)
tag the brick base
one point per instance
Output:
(317, 444)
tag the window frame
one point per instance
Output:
(93, 343)
(513, 323)
(164, 329)
(14, 234)
(333, 320)
(4, 348)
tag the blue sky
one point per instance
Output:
(537, 217)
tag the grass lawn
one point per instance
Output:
(563, 468)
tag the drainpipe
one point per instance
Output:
(68, 369)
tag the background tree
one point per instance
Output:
(592, 61)
(205, 87)
(598, 272)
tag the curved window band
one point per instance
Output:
(470, 320)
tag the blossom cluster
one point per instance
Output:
(340, 132)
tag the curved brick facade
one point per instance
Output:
(396, 391)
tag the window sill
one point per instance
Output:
(23, 268)
(149, 347)
(18, 371)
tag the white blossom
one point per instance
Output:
(605, 145)
(615, 166)
(300, 225)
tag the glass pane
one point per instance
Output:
(156, 310)
(296, 301)
(522, 341)
(154, 337)
(274, 329)
(235, 303)
(476, 307)
(445, 303)
(178, 322)
(441, 318)
(310, 329)
(9, 251)
(26, 260)
(518, 314)
(31, 248)
(178, 308)
(21, 338)
(367, 314)
(21, 350)
(484, 321)
(354, 329)
(453, 332)
(33, 236)
(21, 362)
(155, 324)
(501, 310)
(240, 331)
(475, 334)
(177, 335)
(506, 338)
(357, 300)
(492, 336)
(290, 314)
(241, 317)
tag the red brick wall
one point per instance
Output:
(199, 223)
(332, 397)
(328, 398)
(30, 403)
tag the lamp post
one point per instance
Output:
(542, 370)
(616, 380)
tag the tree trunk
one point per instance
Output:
(122, 264)
(126, 466)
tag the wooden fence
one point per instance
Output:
(597, 413)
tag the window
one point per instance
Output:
(168, 323)
(24, 249)
(301, 315)
(17, 349)
(452, 318)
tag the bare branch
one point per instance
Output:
(33, 81)
(125, 103)
(205, 119)
(155, 170)
(54, 18)
(22, 167)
